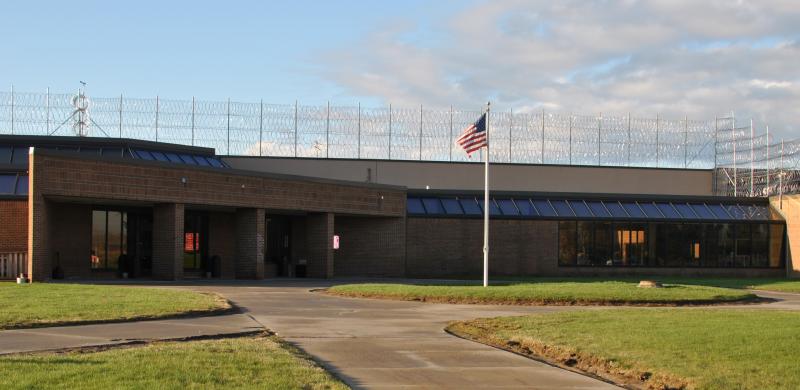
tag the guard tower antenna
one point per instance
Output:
(81, 113)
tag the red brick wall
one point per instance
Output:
(13, 225)
(446, 247)
(370, 247)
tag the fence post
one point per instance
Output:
(629, 139)
(769, 190)
(47, 113)
(193, 110)
(570, 139)
(358, 147)
(228, 119)
(390, 131)
(12, 108)
(510, 127)
(261, 126)
(542, 160)
(685, 141)
(735, 169)
(157, 109)
(657, 130)
(120, 115)
(328, 130)
(752, 157)
(420, 132)
(295, 128)
(599, 127)
(716, 150)
(451, 133)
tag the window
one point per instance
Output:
(567, 234)
(7, 183)
(195, 231)
(414, 206)
(507, 207)
(452, 207)
(109, 238)
(433, 206)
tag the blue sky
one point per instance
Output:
(674, 58)
(212, 50)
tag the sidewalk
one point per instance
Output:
(61, 337)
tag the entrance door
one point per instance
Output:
(279, 239)
(140, 243)
(195, 244)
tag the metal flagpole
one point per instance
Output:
(486, 207)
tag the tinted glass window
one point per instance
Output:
(580, 208)
(525, 207)
(702, 211)
(470, 206)
(668, 210)
(173, 157)
(187, 159)
(544, 208)
(5, 155)
(22, 185)
(215, 162)
(433, 206)
(685, 210)
(650, 210)
(414, 206)
(598, 209)
(451, 206)
(493, 209)
(562, 208)
(719, 211)
(20, 156)
(633, 209)
(735, 211)
(755, 212)
(202, 161)
(616, 209)
(143, 154)
(507, 207)
(159, 156)
(567, 237)
(7, 184)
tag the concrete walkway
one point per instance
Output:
(379, 344)
(61, 337)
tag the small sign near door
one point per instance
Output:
(335, 241)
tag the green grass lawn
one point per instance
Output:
(43, 304)
(552, 292)
(699, 348)
(260, 362)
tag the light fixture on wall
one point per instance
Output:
(183, 181)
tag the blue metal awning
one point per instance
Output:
(577, 208)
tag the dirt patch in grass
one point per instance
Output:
(570, 359)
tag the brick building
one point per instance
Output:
(107, 208)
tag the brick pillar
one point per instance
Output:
(789, 208)
(40, 267)
(319, 235)
(250, 241)
(168, 241)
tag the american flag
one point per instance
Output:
(474, 136)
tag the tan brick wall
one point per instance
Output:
(454, 247)
(370, 247)
(13, 225)
(788, 206)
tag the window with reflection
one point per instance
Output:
(567, 236)
(109, 238)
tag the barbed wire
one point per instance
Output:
(747, 163)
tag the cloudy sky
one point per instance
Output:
(670, 57)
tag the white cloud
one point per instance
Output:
(675, 58)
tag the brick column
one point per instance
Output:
(40, 267)
(168, 241)
(250, 241)
(319, 235)
(789, 208)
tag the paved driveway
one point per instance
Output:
(380, 344)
